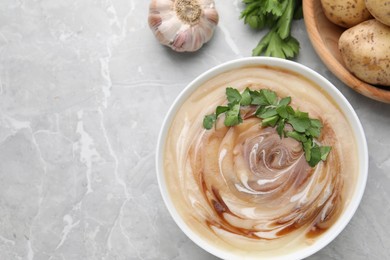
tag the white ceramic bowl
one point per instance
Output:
(342, 102)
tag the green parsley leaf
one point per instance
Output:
(269, 45)
(282, 111)
(268, 112)
(280, 127)
(300, 114)
(270, 96)
(300, 124)
(290, 110)
(220, 110)
(233, 95)
(274, 112)
(315, 156)
(272, 45)
(313, 131)
(315, 123)
(270, 121)
(246, 98)
(284, 23)
(252, 16)
(274, 7)
(290, 47)
(258, 98)
(297, 136)
(307, 148)
(285, 101)
(232, 116)
(259, 111)
(325, 152)
(208, 121)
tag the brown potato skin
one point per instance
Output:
(380, 9)
(346, 13)
(365, 49)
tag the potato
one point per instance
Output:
(380, 9)
(345, 13)
(365, 49)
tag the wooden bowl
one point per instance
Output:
(324, 36)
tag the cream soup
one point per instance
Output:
(243, 188)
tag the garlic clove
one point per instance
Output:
(207, 28)
(179, 41)
(211, 15)
(183, 25)
(169, 27)
(188, 43)
(154, 20)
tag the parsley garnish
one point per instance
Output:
(277, 15)
(274, 112)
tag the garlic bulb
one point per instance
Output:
(183, 25)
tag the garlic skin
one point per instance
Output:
(183, 25)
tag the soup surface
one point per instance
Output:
(245, 189)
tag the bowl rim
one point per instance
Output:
(324, 84)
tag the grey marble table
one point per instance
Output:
(84, 87)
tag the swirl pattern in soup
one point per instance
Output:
(244, 188)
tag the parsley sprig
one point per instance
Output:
(274, 112)
(277, 15)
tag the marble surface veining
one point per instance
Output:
(84, 87)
